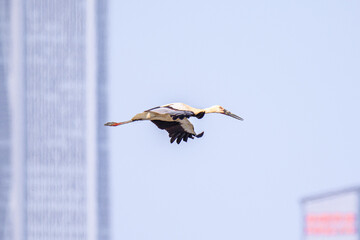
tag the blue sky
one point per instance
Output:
(289, 68)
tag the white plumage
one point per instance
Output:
(174, 119)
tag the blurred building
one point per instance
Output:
(5, 137)
(332, 216)
(53, 156)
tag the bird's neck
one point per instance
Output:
(212, 109)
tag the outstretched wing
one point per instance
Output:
(178, 130)
(174, 113)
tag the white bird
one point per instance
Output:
(173, 118)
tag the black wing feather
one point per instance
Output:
(181, 113)
(175, 130)
(175, 113)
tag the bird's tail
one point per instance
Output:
(114, 124)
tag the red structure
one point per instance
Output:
(332, 215)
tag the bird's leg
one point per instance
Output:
(137, 117)
(114, 124)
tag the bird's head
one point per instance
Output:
(220, 109)
(215, 109)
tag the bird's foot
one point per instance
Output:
(112, 124)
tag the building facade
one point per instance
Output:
(55, 93)
(5, 137)
(332, 216)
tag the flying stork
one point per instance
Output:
(174, 119)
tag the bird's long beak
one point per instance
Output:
(226, 112)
